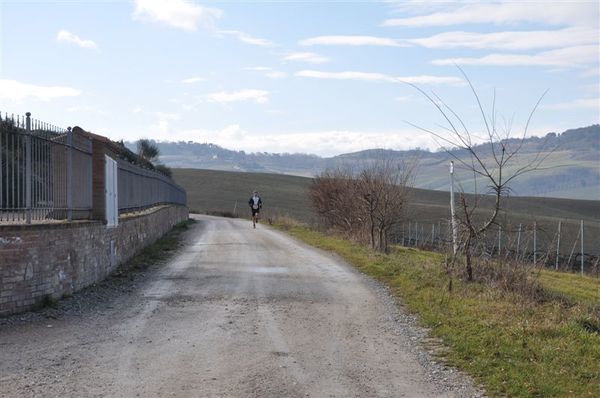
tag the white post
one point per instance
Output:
(573, 249)
(416, 234)
(432, 234)
(403, 236)
(557, 247)
(499, 240)
(519, 241)
(534, 243)
(452, 214)
(581, 247)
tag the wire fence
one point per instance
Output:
(45, 171)
(560, 245)
(46, 174)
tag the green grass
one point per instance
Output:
(577, 288)
(512, 345)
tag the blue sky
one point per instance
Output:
(316, 77)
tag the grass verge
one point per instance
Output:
(512, 345)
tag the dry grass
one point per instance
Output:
(512, 342)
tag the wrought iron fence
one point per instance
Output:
(45, 171)
(139, 188)
(46, 174)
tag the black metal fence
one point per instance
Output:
(46, 174)
(140, 188)
(45, 171)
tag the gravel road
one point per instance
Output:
(236, 312)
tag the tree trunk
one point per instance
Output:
(372, 232)
(468, 259)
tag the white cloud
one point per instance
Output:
(85, 109)
(16, 91)
(591, 72)
(258, 96)
(268, 72)
(311, 58)
(68, 37)
(275, 74)
(348, 75)
(564, 57)
(324, 143)
(582, 103)
(518, 40)
(403, 98)
(353, 41)
(380, 77)
(176, 13)
(164, 121)
(193, 80)
(508, 13)
(137, 109)
(427, 79)
(246, 38)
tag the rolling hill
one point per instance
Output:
(226, 191)
(572, 169)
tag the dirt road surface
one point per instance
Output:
(236, 312)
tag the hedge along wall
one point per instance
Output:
(60, 258)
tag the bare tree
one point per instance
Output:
(369, 202)
(383, 187)
(333, 195)
(492, 156)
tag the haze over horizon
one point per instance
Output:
(325, 79)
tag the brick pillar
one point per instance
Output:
(101, 146)
(98, 180)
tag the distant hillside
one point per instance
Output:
(572, 170)
(223, 191)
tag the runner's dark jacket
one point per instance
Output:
(251, 202)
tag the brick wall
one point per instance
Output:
(61, 258)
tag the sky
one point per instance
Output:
(299, 76)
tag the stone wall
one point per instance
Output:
(60, 258)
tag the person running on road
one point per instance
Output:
(255, 203)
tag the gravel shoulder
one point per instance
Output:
(236, 312)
